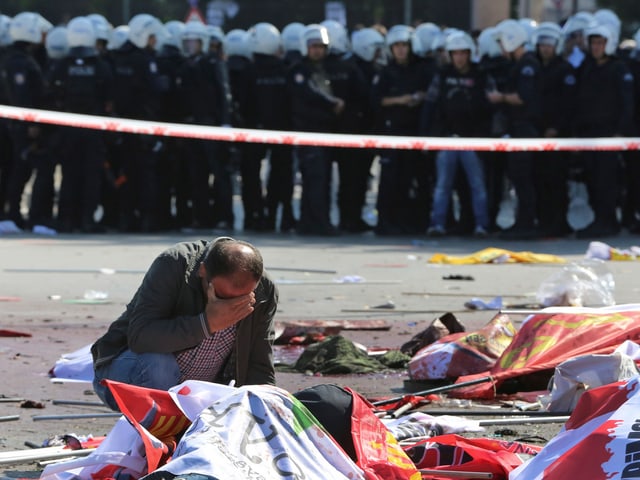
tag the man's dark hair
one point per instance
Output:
(227, 256)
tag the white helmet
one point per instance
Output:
(101, 26)
(80, 33)
(366, 43)
(512, 35)
(174, 30)
(399, 33)
(117, 37)
(214, 34)
(488, 43)
(56, 43)
(460, 41)
(315, 33)
(547, 33)
(438, 41)
(45, 25)
(578, 23)
(142, 27)
(236, 42)
(529, 25)
(607, 17)
(338, 37)
(5, 38)
(292, 37)
(636, 37)
(196, 30)
(25, 27)
(423, 38)
(604, 31)
(264, 38)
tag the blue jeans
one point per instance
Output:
(151, 370)
(447, 163)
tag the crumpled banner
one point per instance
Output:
(459, 454)
(598, 442)
(496, 255)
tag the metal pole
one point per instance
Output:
(408, 14)
(126, 11)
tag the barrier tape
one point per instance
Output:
(245, 135)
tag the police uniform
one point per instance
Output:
(23, 84)
(559, 86)
(312, 109)
(137, 90)
(204, 91)
(604, 108)
(269, 107)
(403, 189)
(524, 122)
(82, 83)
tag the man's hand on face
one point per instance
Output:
(224, 312)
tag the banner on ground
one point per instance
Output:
(546, 340)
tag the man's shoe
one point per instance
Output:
(436, 231)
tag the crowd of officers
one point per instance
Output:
(518, 79)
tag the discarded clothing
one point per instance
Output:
(496, 255)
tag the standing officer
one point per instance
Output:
(137, 94)
(604, 109)
(398, 95)
(203, 88)
(82, 83)
(523, 104)
(23, 83)
(268, 107)
(314, 109)
(559, 85)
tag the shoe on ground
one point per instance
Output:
(436, 231)
(480, 232)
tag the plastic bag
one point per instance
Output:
(587, 283)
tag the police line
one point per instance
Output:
(245, 135)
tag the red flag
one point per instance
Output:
(546, 340)
(459, 454)
(154, 415)
(379, 454)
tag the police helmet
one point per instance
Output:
(117, 37)
(292, 37)
(80, 33)
(460, 41)
(488, 43)
(236, 43)
(423, 37)
(315, 33)
(56, 43)
(599, 30)
(26, 27)
(366, 43)
(264, 38)
(101, 26)
(338, 37)
(5, 38)
(399, 33)
(174, 30)
(511, 35)
(142, 27)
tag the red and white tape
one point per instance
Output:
(245, 135)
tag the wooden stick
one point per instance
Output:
(455, 474)
(11, 399)
(37, 454)
(75, 416)
(522, 420)
(494, 413)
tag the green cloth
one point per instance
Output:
(336, 355)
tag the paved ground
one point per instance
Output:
(391, 267)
